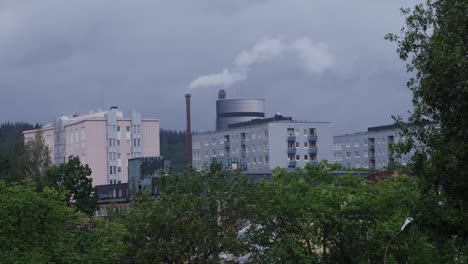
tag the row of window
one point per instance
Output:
(258, 160)
(306, 132)
(112, 142)
(114, 128)
(114, 156)
(297, 144)
(113, 170)
(306, 157)
(233, 138)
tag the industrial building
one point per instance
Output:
(104, 140)
(245, 139)
(369, 150)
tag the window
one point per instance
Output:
(213, 141)
(138, 141)
(265, 134)
(297, 145)
(356, 144)
(221, 141)
(306, 144)
(253, 148)
(207, 154)
(260, 159)
(265, 147)
(305, 132)
(118, 129)
(119, 169)
(366, 164)
(110, 142)
(253, 135)
(348, 144)
(128, 142)
(118, 155)
(110, 170)
(118, 142)
(357, 165)
(366, 153)
(267, 159)
(306, 157)
(127, 128)
(312, 132)
(356, 154)
(348, 155)
(291, 131)
(298, 157)
(247, 149)
(254, 160)
(214, 153)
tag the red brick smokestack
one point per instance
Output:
(189, 132)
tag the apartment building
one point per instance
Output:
(369, 150)
(264, 144)
(104, 140)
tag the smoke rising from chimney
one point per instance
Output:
(315, 58)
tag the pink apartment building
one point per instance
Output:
(104, 140)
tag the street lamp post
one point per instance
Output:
(406, 224)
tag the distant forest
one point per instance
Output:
(173, 147)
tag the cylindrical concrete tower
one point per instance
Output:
(231, 111)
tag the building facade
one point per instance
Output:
(264, 144)
(104, 140)
(369, 150)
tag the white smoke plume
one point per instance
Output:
(315, 58)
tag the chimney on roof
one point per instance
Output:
(188, 132)
(75, 115)
(114, 107)
(221, 94)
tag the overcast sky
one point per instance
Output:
(314, 60)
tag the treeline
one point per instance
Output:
(12, 149)
(216, 216)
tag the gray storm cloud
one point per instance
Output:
(314, 58)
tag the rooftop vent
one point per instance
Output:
(221, 94)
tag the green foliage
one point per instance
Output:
(38, 227)
(72, 179)
(311, 216)
(195, 219)
(434, 43)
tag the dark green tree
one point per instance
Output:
(72, 179)
(434, 43)
(195, 219)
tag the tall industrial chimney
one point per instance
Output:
(189, 132)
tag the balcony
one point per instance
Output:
(312, 137)
(372, 158)
(292, 164)
(312, 151)
(291, 138)
(226, 144)
(242, 141)
(372, 146)
(291, 151)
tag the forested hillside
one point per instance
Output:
(174, 147)
(11, 149)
